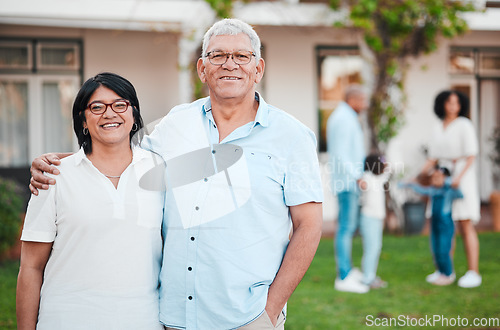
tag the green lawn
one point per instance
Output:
(8, 279)
(404, 263)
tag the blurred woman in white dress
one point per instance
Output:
(455, 146)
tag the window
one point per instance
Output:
(462, 62)
(478, 76)
(483, 62)
(489, 63)
(57, 56)
(14, 123)
(38, 83)
(338, 67)
(15, 55)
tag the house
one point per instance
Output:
(48, 48)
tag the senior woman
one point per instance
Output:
(454, 146)
(91, 249)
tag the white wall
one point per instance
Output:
(147, 59)
(291, 67)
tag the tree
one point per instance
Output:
(394, 31)
(222, 8)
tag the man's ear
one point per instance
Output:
(200, 67)
(260, 70)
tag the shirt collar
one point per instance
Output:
(79, 156)
(262, 116)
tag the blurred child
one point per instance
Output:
(372, 186)
(442, 227)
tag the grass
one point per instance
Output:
(404, 263)
(8, 280)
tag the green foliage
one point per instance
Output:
(8, 280)
(495, 138)
(395, 30)
(495, 157)
(11, 206)
(222, 8)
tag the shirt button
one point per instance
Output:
(190, 297)
(213, 151)
(192, 238)
(205, 179)
(197, 208)
(190, 268)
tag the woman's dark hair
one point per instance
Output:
(121, 86)
(444, 96)
(374, 163)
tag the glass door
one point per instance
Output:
(13, 122)
(489, 119)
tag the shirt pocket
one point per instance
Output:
(150, 208)
(266, 178)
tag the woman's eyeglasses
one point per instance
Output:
(98, 108)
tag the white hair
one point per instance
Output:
(232, 26)
(354, 90)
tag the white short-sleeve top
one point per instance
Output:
(373, 195)
(450, 146)
(103, 269)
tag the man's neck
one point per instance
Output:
(229, 114)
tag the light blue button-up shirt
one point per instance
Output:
(227, 222)
(346, 149)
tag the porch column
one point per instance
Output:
(190, 39)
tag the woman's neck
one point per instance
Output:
(448, 119)
(111, 160)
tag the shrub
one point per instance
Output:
(495, 156)
(11, 206)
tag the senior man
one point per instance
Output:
(347, 154)
(242, 175)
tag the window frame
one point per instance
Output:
(12, 44)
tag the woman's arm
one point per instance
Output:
(430, 163)
(456, 180)
(34, 256)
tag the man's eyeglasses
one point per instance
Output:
(239, 57)
(98, 108)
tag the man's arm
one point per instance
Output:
(34, 256)
(307, 223)
(43, 164)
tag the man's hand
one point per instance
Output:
(38, 167)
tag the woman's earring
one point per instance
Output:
(135, 127)
(85, 131)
